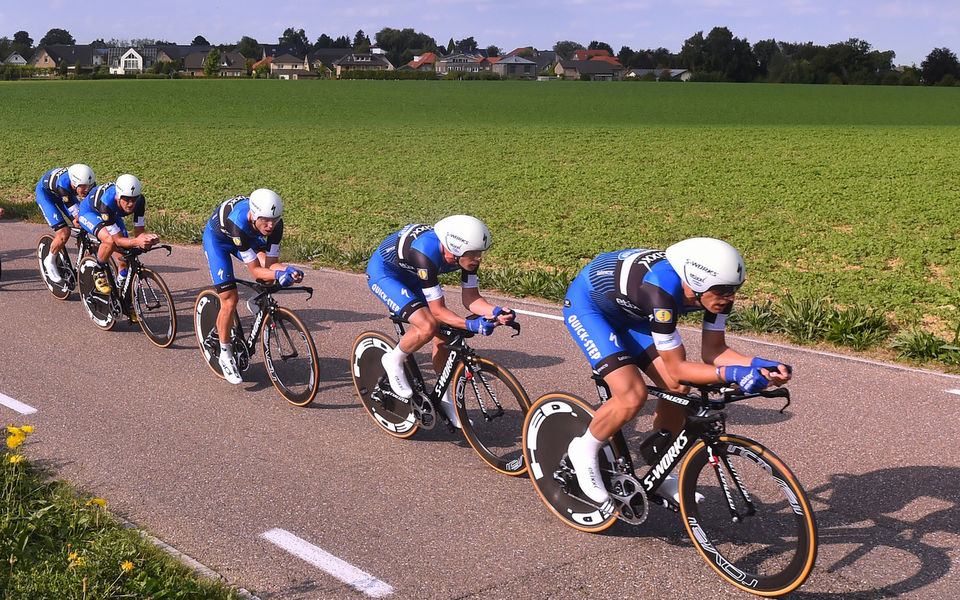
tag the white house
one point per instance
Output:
(15, 59)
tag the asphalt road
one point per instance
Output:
(218, 471)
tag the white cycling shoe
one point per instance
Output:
(670, 489)
(229, 368)
(396, 376)
(53, 271)
(586, 465)
(448, 408)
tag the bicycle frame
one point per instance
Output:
(266, 305)
(705, 420)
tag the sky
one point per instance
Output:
(912, 29)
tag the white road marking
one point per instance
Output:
(957, 392)
(16, 405)
(342, 570)
(537, 314)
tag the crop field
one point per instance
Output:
(845, 193)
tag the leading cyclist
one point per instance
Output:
(249, 228)
(622, 309)
(60, 191)
(403, 272)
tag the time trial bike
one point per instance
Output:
(86, 245)
(490, 402)
(289, 353)
(742, 507)
(143, 297)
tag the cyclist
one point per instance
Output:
(60, 191)
(102, 213)
(622, 309)
(403, 272)
(250, 228)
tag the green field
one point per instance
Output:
(848, 193)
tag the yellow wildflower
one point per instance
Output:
(127, 566)
(98, 501)
(72, 556)
(14, 441)
(14, 430)
(80, 561)
(16, 458)
(27, 428)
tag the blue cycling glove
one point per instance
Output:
(499, 310)
(285, 277)
(771, 365)
(480, 325)
(748, 378)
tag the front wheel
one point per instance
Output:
(393, 415)
(552, 421)
(60, 291)
(491, 406)
(753, 524)
(154, 307)
(291, 357)
(99, 305)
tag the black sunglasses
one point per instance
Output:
(725, 291)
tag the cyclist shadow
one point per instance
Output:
(901, 535)
(333, 375)
(27, 280)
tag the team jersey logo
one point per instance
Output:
(237, 241)
(422, 273)
(662, 315)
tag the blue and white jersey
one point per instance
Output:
(230, 223)
(416, 250)
(57, 182)
(101, 210)
(638, 288)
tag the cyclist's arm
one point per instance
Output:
(438, 307)
(259, 271)
(681, 369)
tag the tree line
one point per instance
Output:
(717, 56)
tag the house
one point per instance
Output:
(515, 67)
(458, 62)
(425, 62)
(543, 58)
(288, 66)
(15, 59)
(323, 58)
(78, 58)
(363, 62)
(232, 64)
(673, 74)
(594, 70)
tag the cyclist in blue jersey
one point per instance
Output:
(622, 309)
(249, 228)
(403, 272)
(102, 213)
(59, 192)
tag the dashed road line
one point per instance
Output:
(16, 405)
(342, 570)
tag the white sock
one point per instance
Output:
(226, 348)
(397, 356)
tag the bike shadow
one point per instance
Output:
(883, 534)
(26, 280)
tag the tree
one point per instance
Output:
(296, 40)
(341, 42)
(249, 47)
(398, 44)
(938, 64)
(199, 41)
(5, 45)
(692, 55)
(98, 43)
(211, 66)
(62, 68)
(493, 51)
(361, 40)
(324, 41)
(451, 46)
(466, 45)
(595, 45)
(566, 48)
(57, 36)
(625, 56)
(22, 43)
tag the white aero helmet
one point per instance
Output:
(81, 174)
(703, 263)
(128, 186)
(462, 233)
(265, 204)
